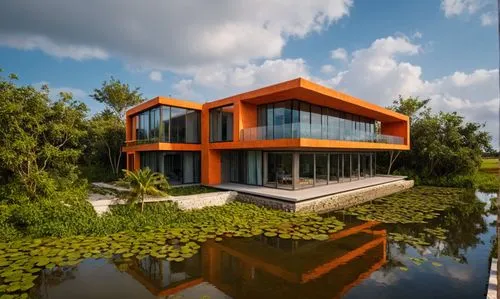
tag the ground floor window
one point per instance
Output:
(243, 167)
(295, 170)
(178, 167)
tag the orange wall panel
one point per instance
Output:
(400, 129)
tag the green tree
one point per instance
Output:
(117, 96)
(108, 128)
(443, 145)
(144, 181)
(411, 107)
(106, 135)
(40, 138)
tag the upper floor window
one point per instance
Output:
(299, 119)
(221, 124)
(168, 124)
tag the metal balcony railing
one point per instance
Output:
(294, 130)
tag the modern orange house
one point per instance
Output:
(292, 135)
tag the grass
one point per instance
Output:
(190, 190)
(488, 179)
(490, 165)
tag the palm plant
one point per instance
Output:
(144, 181)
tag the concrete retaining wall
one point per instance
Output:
(331, 202)
(322, 204)
(101, 203)
(198, 201)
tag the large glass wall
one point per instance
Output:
(308, 169)
(278, 170)
(168, 124)
(221, 124)
(295, 170)
(244, 167)
(178, 167)
(294, 119)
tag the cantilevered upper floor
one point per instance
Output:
(290, 115)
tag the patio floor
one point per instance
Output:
(308, 193)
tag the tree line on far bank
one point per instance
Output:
(50, 147)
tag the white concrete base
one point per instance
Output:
(101, 203)
(493, 280)
(330, 202)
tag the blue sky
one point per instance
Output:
(446, 50)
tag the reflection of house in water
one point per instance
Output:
(272, 268)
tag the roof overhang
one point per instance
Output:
(316, 94)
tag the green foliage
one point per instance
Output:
(487, 182)
(117, 96)
(490, 163)
(105, 140)
(39, 139)
(179, 191)
(445, 149)
(146, 182)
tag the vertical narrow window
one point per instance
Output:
(221, 124)
(279, 120)
(305, 120)
(193, 126)
(178, 125)
(261, 122)
(270, 121)
(324, 123)
(295, 119)
(165, 126)
(315, 122)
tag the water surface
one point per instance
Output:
(361, 261)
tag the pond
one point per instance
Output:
(436, 248)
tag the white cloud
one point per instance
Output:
(327, 69)
(46, 45)
(378, 74)
(340, 54)
(489, 18)
(166, 35)
(225, 81)
(457, 7)
(156, 76)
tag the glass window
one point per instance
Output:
(287, 126)
(261, 122)
(306, 170)
(334, 168)
(279, 170)
(165, 123)
(154, 124)
(324, 123)
(221, 124)
(305, 120)
(270, 121)
(295, 119)
(365, 165)
(178, 125)
(347, 126)
(346, 167)
(315, 122)
(279, 120)
(321, 168)
(193, 119)
(341, 126)
(354, 166)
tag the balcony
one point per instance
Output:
(294, 130)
